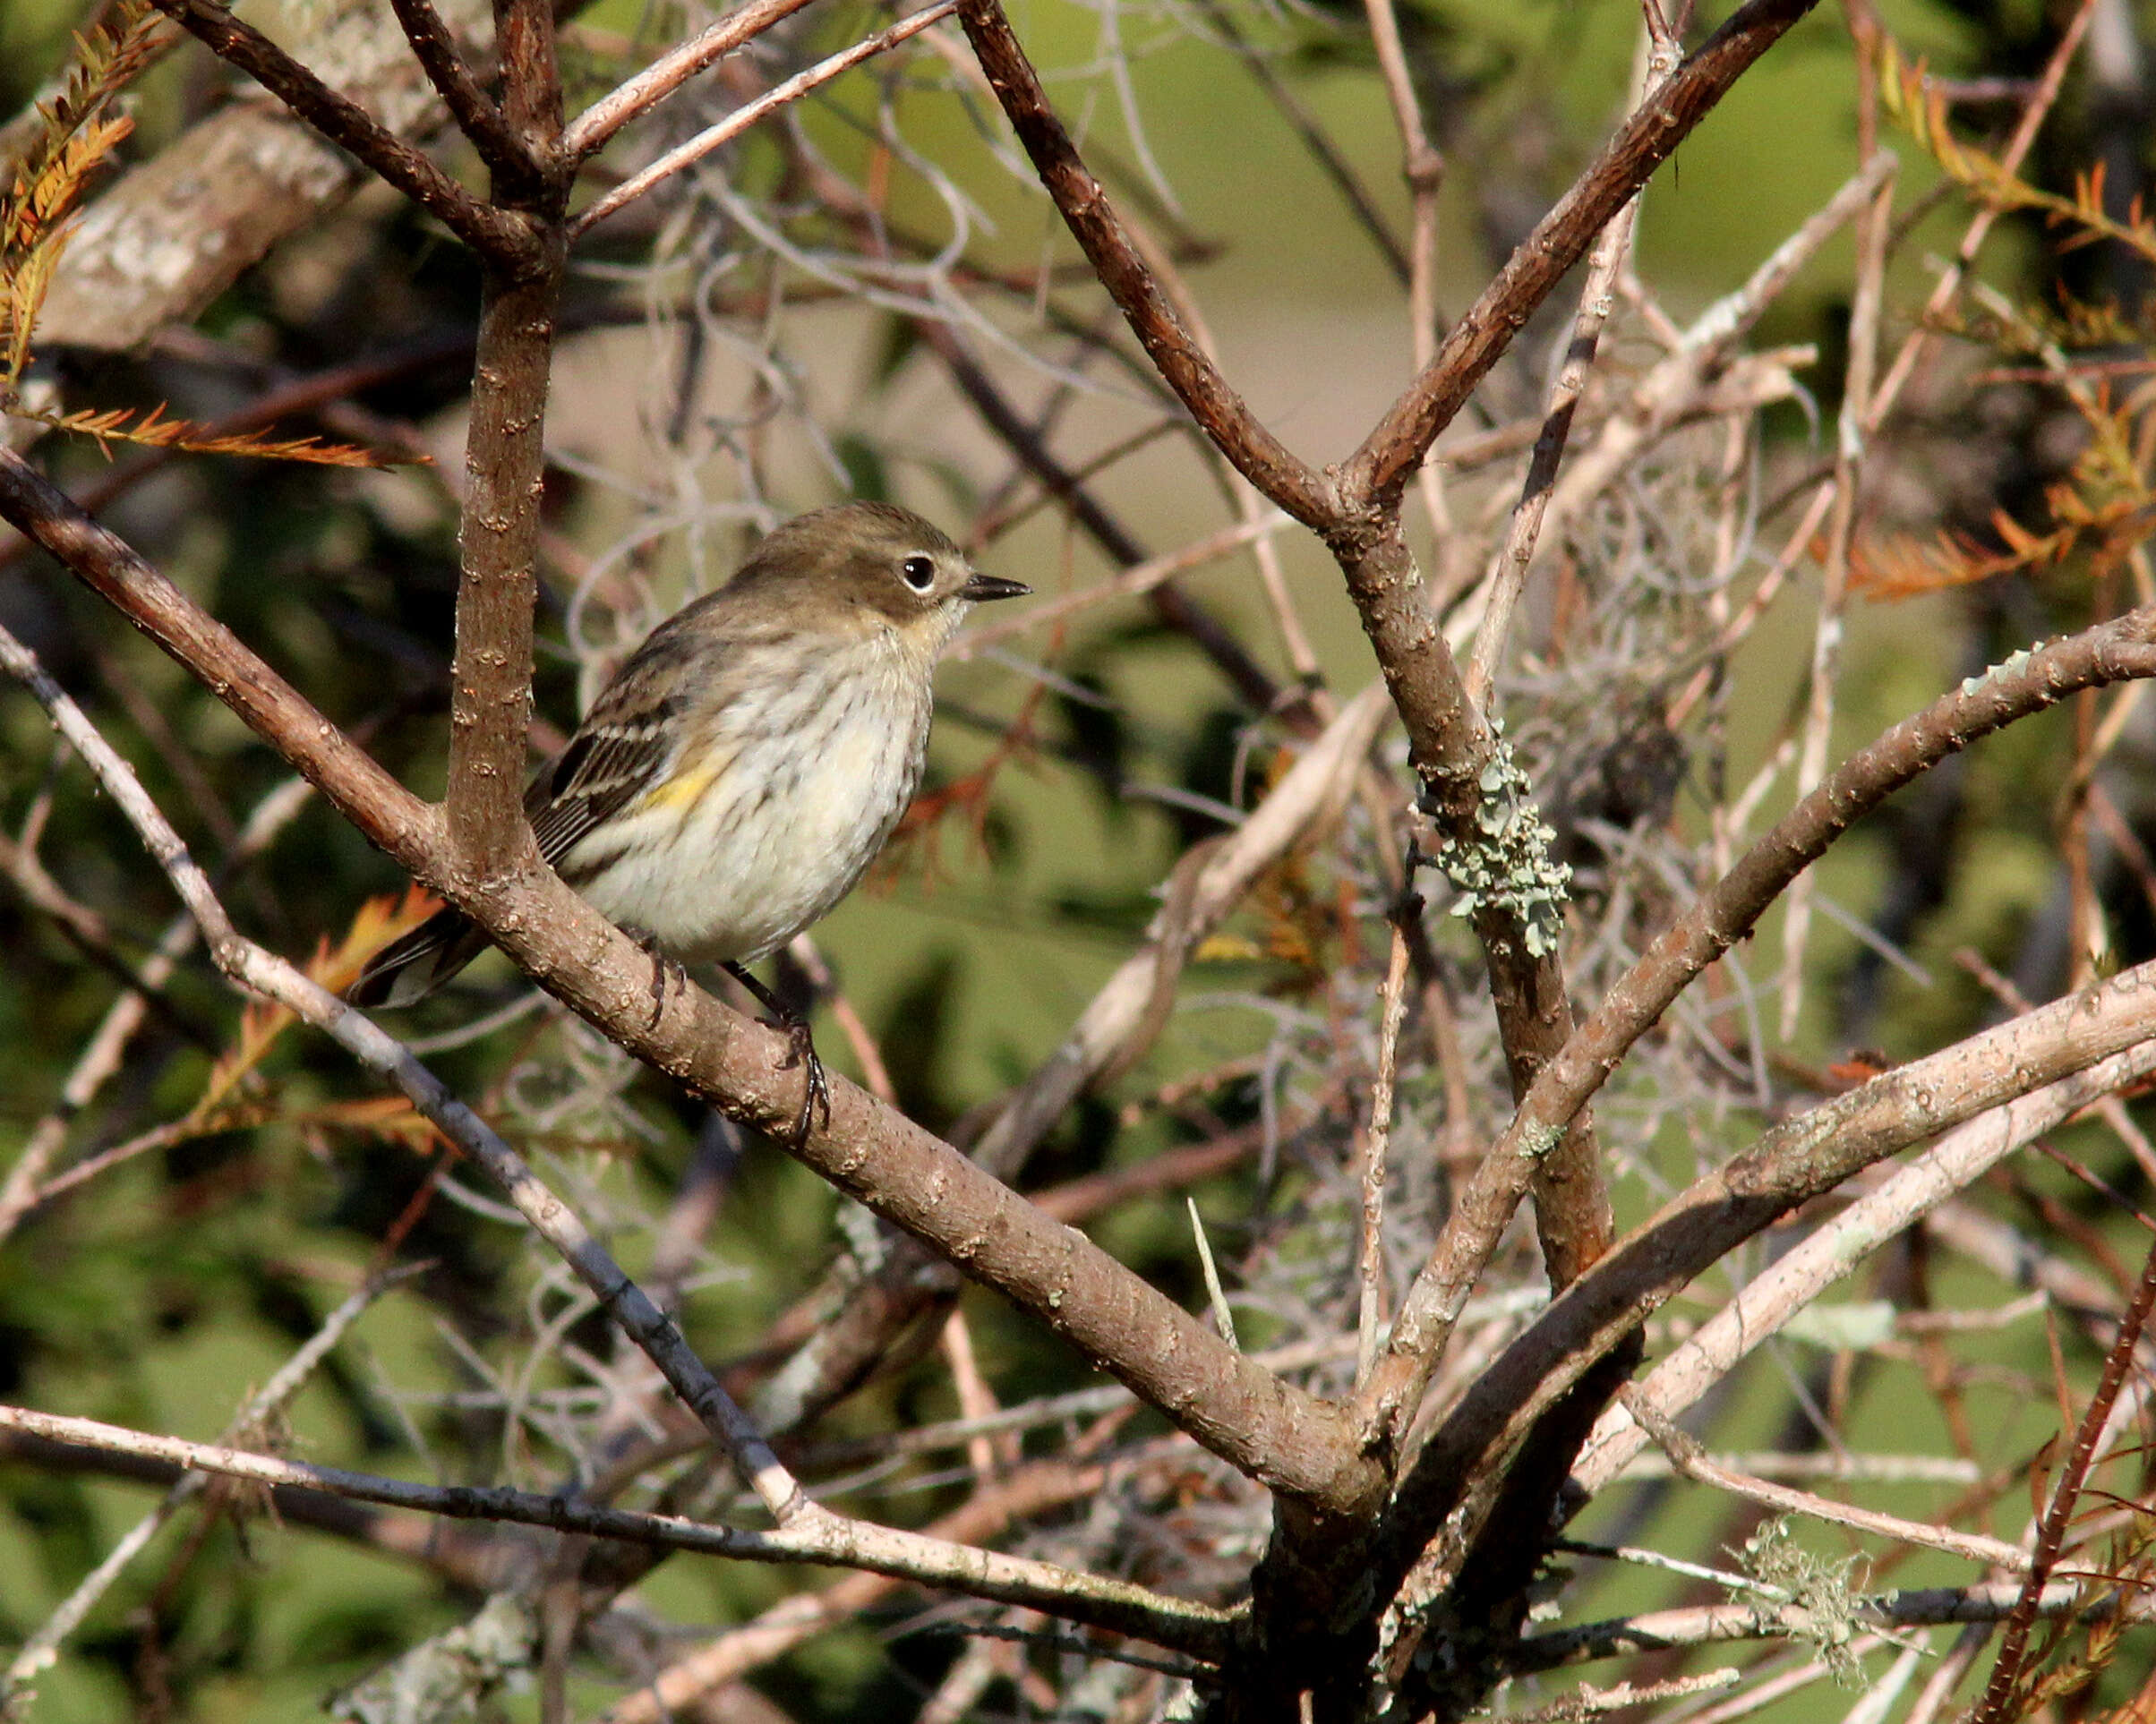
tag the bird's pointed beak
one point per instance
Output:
(984, 587)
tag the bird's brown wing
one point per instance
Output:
(616, 757)
(628, 739)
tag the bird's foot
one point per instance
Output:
(815, 1087)
(663, 969)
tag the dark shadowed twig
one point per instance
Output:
(491, 232)
(469, 105)
(2000, 1700)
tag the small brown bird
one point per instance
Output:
(738, 774)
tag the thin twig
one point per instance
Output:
(1370, 1243)
(1127, 583)
(1999, 1696)
(1690, 1460)
(687, 154)
(1397, 445)
(1712, 1624)
(639, 95)
(2038, 108)
(1866, 310)
(40, 1650)
(823, 1538)
(492, 232)
(1604, 262)
(1802, 1274)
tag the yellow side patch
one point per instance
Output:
(683, 789)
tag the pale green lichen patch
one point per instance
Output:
(2013, 664)
(1505, 864)
(1821, 1590)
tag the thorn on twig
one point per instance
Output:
(1215, 1293)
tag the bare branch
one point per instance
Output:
(688, 154)
(1773, 1298)
(1131, 1007)
(640, 94)
(491, 682)
(1258, 455)
(472, 108)
(1039, 1486)
(1371, 1245)
(1380, 468)
(1786, 1166)
(492, 232)
(1919, 1607)
(1999, 1693)
(40, 1649)
(2114, 652)
(1687, 1456)
(826, 1538)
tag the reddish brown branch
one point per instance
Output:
(491, 683)
(1258, 455)
(469, 105)
(1381, 468)
(493, 233)
(1999, 1702)
(531, 80)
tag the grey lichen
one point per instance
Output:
(1505, 864)
(1827, 1602)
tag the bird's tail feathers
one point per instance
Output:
(409, 968)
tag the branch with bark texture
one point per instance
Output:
(2111, 653)
(1263, 1426)
(826, 1540)
(1789, 1165)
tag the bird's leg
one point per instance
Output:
(662, 969)
(816, 1092)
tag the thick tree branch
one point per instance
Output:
(2115, 651)
(1230, 1403)
(491, 682)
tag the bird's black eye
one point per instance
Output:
(918, 572)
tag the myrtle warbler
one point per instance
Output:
(742, 770)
